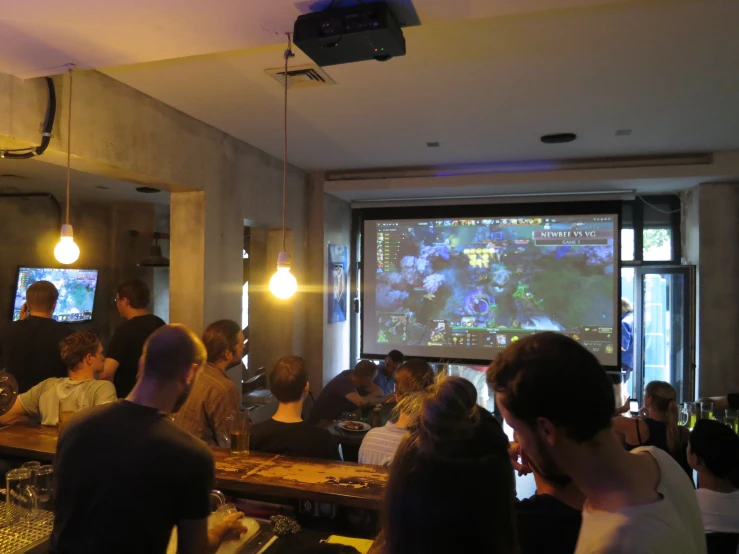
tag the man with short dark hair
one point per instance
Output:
(342, 393)
(380, 444)
(125, 475)
(286, 432)
(124, 351)
(550, 520)
(214, 397)
(635, 502)
(83, 355)
(29, 348)
(385, 378)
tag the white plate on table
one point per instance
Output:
(347, 426)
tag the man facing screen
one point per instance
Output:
(29, 348)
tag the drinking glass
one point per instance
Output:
(45, 488)
(239, 425)
(20, 498)
(68, 406)
(692, 409)
(682, 415)
(706, 410)
(732, 420)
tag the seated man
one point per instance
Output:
(714, 454)
(83, 355)
(550, 520)
(379, 445)
(286, 432)
(214, 396)
(386, 371)
(342, 393)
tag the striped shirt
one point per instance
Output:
(379, 445)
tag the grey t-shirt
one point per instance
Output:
(43, 399)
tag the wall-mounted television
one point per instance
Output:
(466, 287)
(76, 291)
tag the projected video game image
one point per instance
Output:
(467, 287)
(76, 291)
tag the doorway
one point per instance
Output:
(663, 298)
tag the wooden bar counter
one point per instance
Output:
(266, 475)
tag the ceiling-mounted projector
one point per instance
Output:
(345, 35)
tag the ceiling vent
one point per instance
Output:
(301, 76)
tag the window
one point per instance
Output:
(627, 245)
(650, 229)
(657, 244)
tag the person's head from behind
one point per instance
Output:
(660, 400)
(131, 297)
(451, 485)
(364, 373)
(224, 341)
(714, 449)
(556, 396)
(288, 380)
(172, 358)
(41, 298)
(392, 361)
(626, 307)
(413, 376)
(82, 353)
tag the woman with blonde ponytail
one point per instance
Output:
(660, 426)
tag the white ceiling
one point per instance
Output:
(37, 176)
(484, 78)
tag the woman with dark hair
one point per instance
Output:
(714, 453)
(451, 486)
(659, 428)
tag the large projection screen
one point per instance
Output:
(465, 288)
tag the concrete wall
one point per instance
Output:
(217, 182)
(327, 346)
(30, 232)
(715, 230)
(336, 336)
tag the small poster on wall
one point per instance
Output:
(337, 283)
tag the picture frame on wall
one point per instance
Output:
(337, 283)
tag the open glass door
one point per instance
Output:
(666, 328)
(664, 323)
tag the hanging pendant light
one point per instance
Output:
(283, 283)
(66, 251)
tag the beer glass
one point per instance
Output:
(68, 406)
(732, 420)
(706, 411)
(682, 415)
(20, 497)
(692, 409)
(239, 426)
(44, 488)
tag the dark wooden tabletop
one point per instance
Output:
(347, 484)
(340, 483)
(25, 440)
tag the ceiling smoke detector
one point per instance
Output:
(301, 76)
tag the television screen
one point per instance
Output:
(464, 289)
(76, 291)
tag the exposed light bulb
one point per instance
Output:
(283, 283)
(66, 251)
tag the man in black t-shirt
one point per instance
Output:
(124, 351)
(125, 474)
(29, 348)
(286, 432)
(550, 520)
